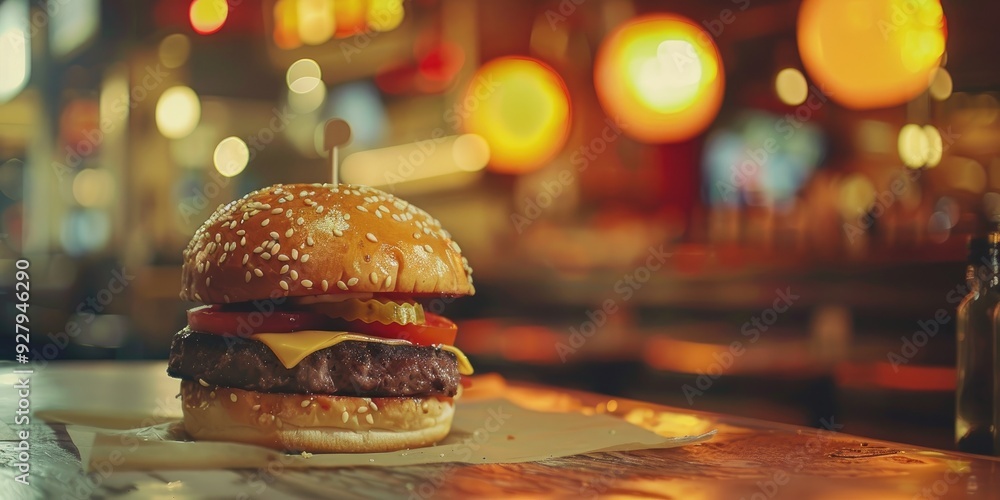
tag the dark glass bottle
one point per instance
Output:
(974, 391)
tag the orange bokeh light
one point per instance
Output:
(660, 74)
(871, 53)
(208, 16)
(522, 108)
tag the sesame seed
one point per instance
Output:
(266, 256)
(208, 281)
(371, 237)
(341, 285)
(258, 250)
(382, 208)
(277, 211)
(265, 222)
(275, 247)
(428, 248)
(371, 420)
(344, 417)
(211, 394)
(324, 284)
(258, 272)
(284, 269)
(202, 382)
(243, 242)
(246, 257)
(232, 397)
(352, 282)
(218, 237)
(283, 258)
(288, 213)
(255, 407)
(378, 214)
(197, 296)
(347, 216)
(373, 277)
(277, 423)
(374, 406)
(363, 209)
(416, 235)
(307, 283)
(300, 221)
(309, 240)
(304, 258)
(319, 209)
(288, 234)
(363, 409)
(283, 285)
(338, 232)
(294, 274)
(241, 232)
(306, 402)
(248, 277)
(274, 235)
(295, 254)
(388, 281)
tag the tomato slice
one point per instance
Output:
(220, 320)
(435, 330)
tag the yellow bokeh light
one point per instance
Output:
(208, 16)
(941, 84)
(521, 108)
(857, 195)
(385, 15)
(871, 53)
(93, 187)
(177, 112)
(315, 21)
(935, 146)
(662, 76)
(174, 50)
(919, 146)
(791, 86)
(303, 76)
(231, 156)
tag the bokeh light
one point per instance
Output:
(871, 53)
(315, 21)
(174, 50)
(231, 156)
(941, 84)
(521, 107)
(93, 187)
(662, 76)
(15, 48)
(913, 145)
(177, 112)
(935, 145)
(791, 86)
(208, 16)
(385, 15)
(303, 76)
(857, 195)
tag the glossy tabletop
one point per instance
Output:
(747, 459)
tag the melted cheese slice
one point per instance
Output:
(292, 348)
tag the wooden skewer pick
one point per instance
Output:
(336, 133)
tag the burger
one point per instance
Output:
(313, 334)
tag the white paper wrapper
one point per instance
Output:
(485, 431)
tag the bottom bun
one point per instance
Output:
(314, 423)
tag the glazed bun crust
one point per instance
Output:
(280, 421)
(294, 240)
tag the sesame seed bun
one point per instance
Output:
(298, 240)
(314, 423)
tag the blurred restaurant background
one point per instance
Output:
(638, 184)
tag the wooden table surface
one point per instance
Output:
(748, 459)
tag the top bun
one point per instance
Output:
(296, 240)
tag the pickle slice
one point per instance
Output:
(371, 311)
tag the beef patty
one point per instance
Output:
(351, 368)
